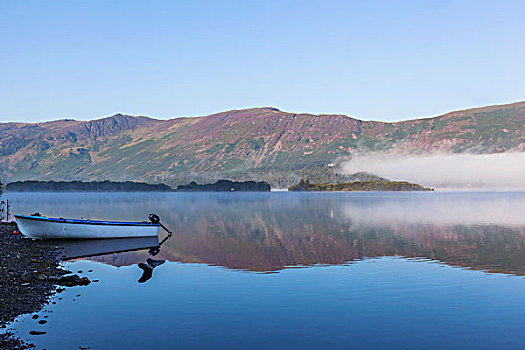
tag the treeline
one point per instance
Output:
(277, 178)
(129, 186)
(79, 186)
(226, 186)
(305, 185)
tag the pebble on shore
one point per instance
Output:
(30, 272)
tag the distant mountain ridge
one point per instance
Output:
(252, 144)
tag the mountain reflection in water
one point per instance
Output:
(271, 231)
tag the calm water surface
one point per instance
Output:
(295, 270)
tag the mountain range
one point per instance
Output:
(251, 144)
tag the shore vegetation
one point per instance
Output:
(305, 185)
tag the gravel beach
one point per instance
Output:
(29, 272)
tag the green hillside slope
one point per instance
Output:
(254, 144)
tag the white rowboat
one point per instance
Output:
(41, 227)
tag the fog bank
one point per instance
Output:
(437, 209)
(501, 171)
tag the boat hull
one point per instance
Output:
(51, 228)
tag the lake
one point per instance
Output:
(287, 270)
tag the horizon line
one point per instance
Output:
(268, 107)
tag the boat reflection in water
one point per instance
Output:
(79, 248)
(271, 232)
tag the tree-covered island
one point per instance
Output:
(130, 186)
(305, 185)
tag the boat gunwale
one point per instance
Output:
(85, 222)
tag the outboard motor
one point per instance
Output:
(154, 218)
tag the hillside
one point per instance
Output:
(262, 144)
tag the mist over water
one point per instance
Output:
(501, 171)
(372, 269)
(268, 231)
(439, 209)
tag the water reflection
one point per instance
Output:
(147, 269)
(83, 248)
(270, 231)
(89, 248)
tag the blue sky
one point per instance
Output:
(383, 60)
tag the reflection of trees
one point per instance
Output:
(489, 247)
(263, 232)
(269, 236)
(269, 247)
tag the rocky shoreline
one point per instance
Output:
(30, 272)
